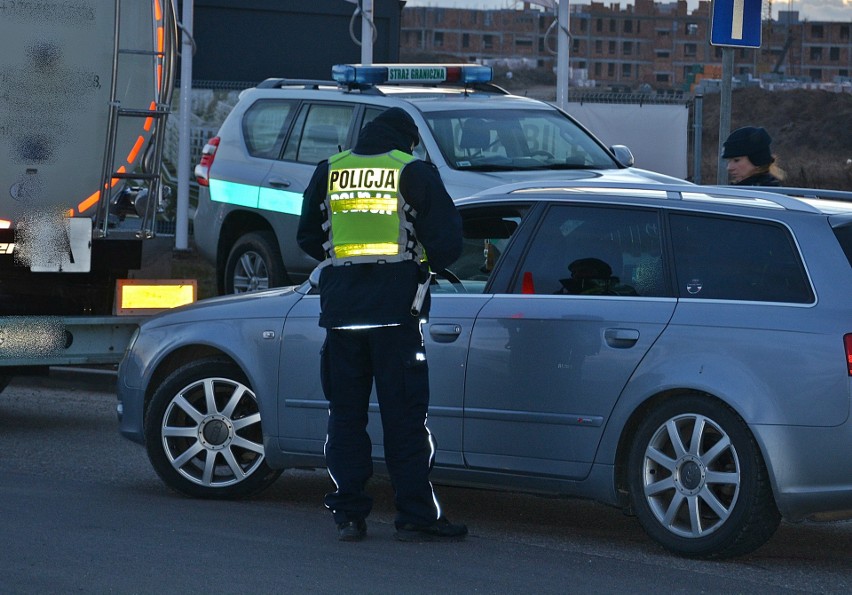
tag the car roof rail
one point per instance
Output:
(825, 194)
(685, 191)
(278, 83)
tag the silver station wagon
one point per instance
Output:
(681, 352)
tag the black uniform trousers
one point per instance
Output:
(393, 357)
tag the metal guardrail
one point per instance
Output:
(629, 98)
(221, 85)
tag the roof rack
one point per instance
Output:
(777, 198)
(278, 83)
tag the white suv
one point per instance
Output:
(252, 175)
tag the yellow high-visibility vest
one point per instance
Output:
(365, 211)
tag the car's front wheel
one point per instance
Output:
(203, 432)
(254, 263)
(697, 480)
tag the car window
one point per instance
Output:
(370, 114)
(583, 250)
(487, 232)
(320, 131)
(843, 233)
(735, 259)
(506, 139)
(265, 124)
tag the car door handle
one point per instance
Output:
(279, 183)
(621, 338)
(444, 333)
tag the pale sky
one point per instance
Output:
(812, 10)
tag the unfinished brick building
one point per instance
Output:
(665, 46)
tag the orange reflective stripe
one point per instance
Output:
(93, 199)
(131, 157)
(149, 120)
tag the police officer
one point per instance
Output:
(371, 214)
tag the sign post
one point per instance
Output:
(736, 23)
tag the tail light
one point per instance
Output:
(202, 170)
(847, 343)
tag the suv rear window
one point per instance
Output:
(843, 233)
(733, 259)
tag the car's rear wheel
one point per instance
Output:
(203, 432)
(255, 263)
(697, 480)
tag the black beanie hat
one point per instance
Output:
(751, 142)
(400, 121)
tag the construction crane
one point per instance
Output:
(788, 42)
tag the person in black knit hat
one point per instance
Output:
(750, 162)
(372, 216)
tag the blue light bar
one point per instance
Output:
(411, 74)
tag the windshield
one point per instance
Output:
(507, 139)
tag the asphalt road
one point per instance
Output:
(82, 511)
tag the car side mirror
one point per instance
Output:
(623, 155)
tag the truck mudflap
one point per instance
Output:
(72, 340)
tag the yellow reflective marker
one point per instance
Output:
(149, 296)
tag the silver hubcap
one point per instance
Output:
(251, 273)
(691, 475)
(211, 432)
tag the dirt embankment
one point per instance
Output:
(811, 133)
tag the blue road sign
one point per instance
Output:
(736, 23)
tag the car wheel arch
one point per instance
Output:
(236, 225)
(630, 428)
(189, 370)
(175, 360)
(755, 513)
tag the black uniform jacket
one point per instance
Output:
(379, 294)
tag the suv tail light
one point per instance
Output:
(847, 343)
(202, 170)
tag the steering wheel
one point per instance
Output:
(450, 276)
(542, 153)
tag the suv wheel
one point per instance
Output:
(203, 432)
(697, 480)
(255, 263)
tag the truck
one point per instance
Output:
(85, 90)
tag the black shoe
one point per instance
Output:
(352, 530)
(440, 530)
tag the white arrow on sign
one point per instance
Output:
(737, 19)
